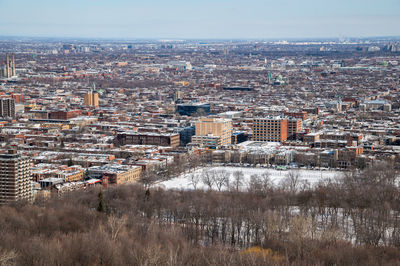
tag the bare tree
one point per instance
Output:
(194, 161)
(8, 257)
(304, 185)
(255, 183)
(208, 178)
(266, 181)
(194, 180)
(238, 177)
(228, 182)
(148, 178)
(115, 225)
(291, 181)
(220, 178)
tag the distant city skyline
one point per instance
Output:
(219, 19)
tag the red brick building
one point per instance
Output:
(148, 138)
(272, 129)
(296, 114)
(64, 115)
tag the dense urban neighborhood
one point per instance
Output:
(276, 152)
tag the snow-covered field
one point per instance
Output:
(276, 177)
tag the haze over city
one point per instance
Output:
(221, 19)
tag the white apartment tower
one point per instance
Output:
(15, 178)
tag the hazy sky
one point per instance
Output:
(200, 18)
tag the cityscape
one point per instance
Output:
(199, 151)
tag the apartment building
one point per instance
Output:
(92, 99)
(115, 174)
(148, 138)
(215, 128)
(15, 178)
(7, 107)
(272, 129)
(64, 114)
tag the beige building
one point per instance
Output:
(207, 141)
(115, 173)
(72, 174)
(131, 175)
(215, 127)
(92, 99)
(15, 178)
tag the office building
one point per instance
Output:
(208, 141)
(15, 178)
(272, 129)
(186, 134)
(193, 108)
(239, 137)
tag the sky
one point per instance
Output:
(200, 19)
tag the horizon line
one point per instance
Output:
(199, 38)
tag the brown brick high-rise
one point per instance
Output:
(273, 129)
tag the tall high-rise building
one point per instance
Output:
(272, 129)
(92, 99)
(95, 99)
(13, 72)
(7, 107)
(15, 177)
(8, 70)
(8, 73)
(88, 99)
(216, 131)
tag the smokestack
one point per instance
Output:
(7, 65)
(13, 65)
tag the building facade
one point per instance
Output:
(273, 129)
(193, 108)
(294, 126)
(215, 127)
(115, 174)
(8, 70)
(297, 114)
(7, 107)
(149, 138)
(15, 178)
(92, 99)
(64, 115)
